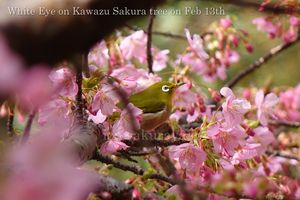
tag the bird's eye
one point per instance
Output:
(165, 88)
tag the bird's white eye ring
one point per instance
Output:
(165, 88)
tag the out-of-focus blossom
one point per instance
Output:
(226, 137)
(112, 146)
(263, 24)
(294, 21)
(10, 67)
(64, 82)
(290, 35)
(98, 56)
(265, 105)
(233, 108)
(39, 170)
(226, 22)
(55, 109)
(189, 157)
(36, 89)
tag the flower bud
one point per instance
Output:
(249, 47)
(135, 194)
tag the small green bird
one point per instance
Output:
(156, 103)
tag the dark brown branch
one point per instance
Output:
(26, 132)
(279, 154)
(285, 123)
(153, 143)
(149, 44)
(79, 101)
(40, 39)
(261, 61)
(10, 123)
(271, 8)
(134, 169)
(118, 189)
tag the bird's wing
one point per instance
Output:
(148, 105)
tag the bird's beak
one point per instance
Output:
(179, 84)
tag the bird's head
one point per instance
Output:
(164, 89)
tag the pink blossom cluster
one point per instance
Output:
(277, 27)
(212, 54)
(229, 140)
(289, 104)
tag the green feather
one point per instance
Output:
(148, 105)
(153, 99)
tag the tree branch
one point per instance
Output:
(149, 44)
(134, 169)
(285, 123)
(271, 8)
(261, 61)
(10, 123)
(26, 132)
(153, 143)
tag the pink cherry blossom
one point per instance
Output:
(265, 106)
(55, 109)
(124, 127)
(160, 60)
(134, 46)
(112, 146)
(133, 79)
(103, 102)
(245, 152)
(36, 89)
(10, 67)
(226, 23)
(98, 56)
(262, 136)
(190, 157)
(294, 21)
(196, 45)
(290, 35)
(263, 24)
(98, 118)
(64, 82)
(226, 138)
(39, 170)
(233, 108)
(184, 96)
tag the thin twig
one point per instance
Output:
(257, 5)
(149, 44)
(165, 34)
(134, 169)
(279, 154)
(258, 63)
(285, 123)
(10, 123)
(27, 129)
(153, 143)
(80, 117)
